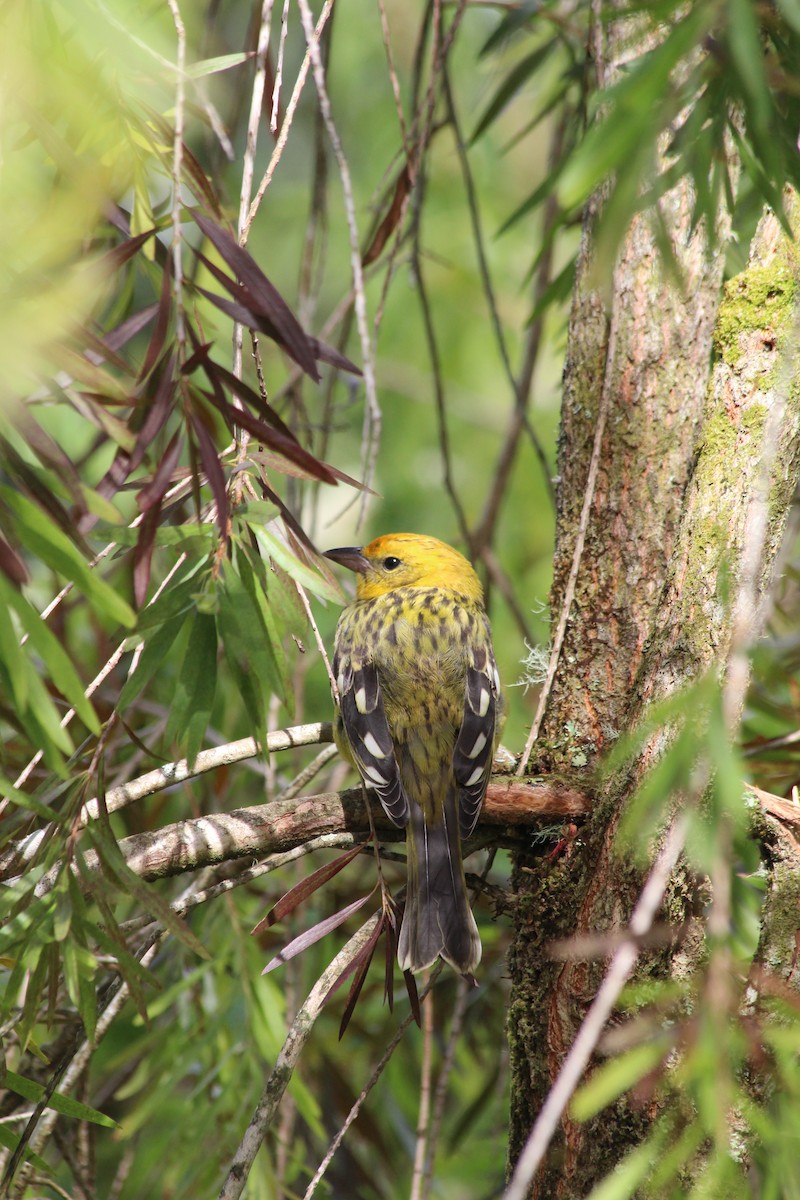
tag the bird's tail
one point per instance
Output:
(437, 919)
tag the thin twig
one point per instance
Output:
(367, 356)
(177, 171)
(278, 1081)
(424, 1115)
(317, 638)
(276, 90)
(308, 773)
(372, 1081)
(286, 124)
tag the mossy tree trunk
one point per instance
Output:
(683, 454)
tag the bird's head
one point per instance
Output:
(407, 560)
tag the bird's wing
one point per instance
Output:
(472, 754)
(367, 730)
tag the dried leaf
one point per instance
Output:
(413, 995)
(11, 564)
(392, 219)
(213, 469)
(305, 888)
(311, 936)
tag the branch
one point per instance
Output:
(22, 852)
(283, 825)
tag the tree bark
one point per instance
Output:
(681, 461)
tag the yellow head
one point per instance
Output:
(407, 560)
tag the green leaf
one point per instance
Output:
(39, 718)
(193, 698)
(247, 648)
(272, 643)
(151, 659)
(15, 660)
(22, 800)
(52, 653)
(110, 854)
(47, 542)
(190, 537)
(223, 62)
(80, 967)
(29, 1090)
(628, 1175)
(791, 11)
(517, 77)
(744, 41)
(636, 109)
(616, 1076)
(11, 1141)
(177, 599)
(315, 583)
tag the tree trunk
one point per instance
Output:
(680, 462)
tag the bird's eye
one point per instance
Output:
(391, 563)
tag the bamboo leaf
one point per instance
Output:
(54, 548)
(52, 653)
(193, 698)
(305, 888)
(29, 1090)
(310, 937)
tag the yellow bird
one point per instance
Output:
(418, 715)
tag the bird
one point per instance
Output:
(418, 714)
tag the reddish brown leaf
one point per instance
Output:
(119, 255)
(162, 321)
(11, 564)
(305, 888)
(262, 297)
(392, 219)
(203, 186)
(98, 351)
(128, 329)
(413, 995)
(391, 950)
(143, 553)
(155, 415)
(328, 354)
(31, 483)
(290, 448)
(357, 984)
(213, 469)
(153, 492)
(358, 959)
(311, 936)
(50, 454)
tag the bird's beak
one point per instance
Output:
(350, 557)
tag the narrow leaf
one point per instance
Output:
(53, 655)
(43, 539)
(193, 698)
(305, 888)
(262, 296)
(29, 1090)
(311, 936)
